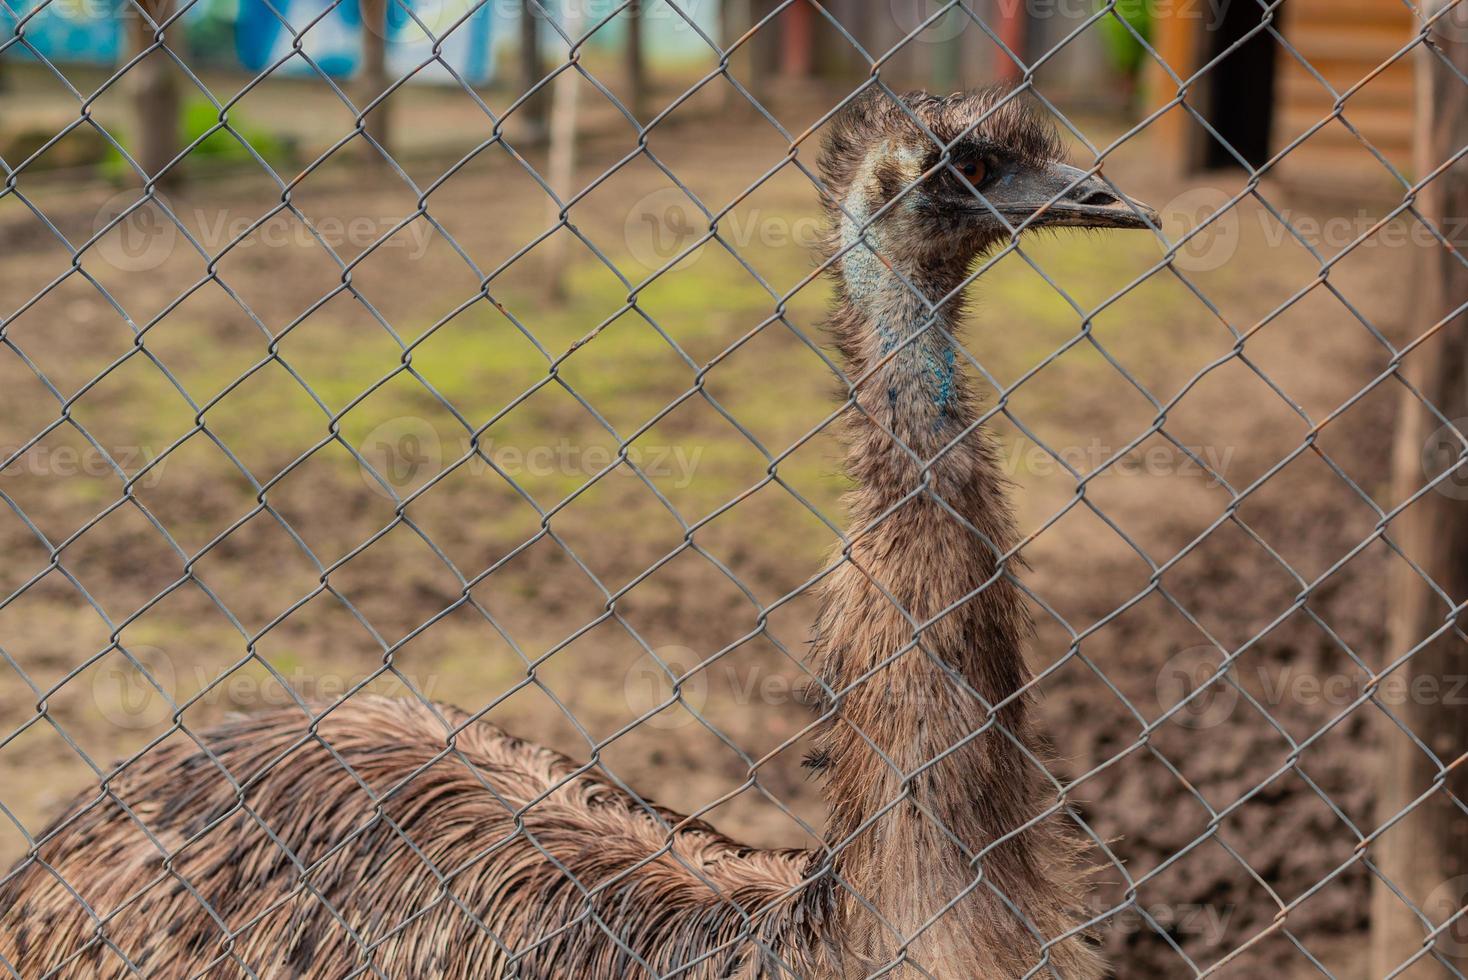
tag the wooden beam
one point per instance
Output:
(534, 125)
(372, 77)
(1178, 42)
(561, 167)
(155, 97)
(636, 67)
(797, 37)
(1424, 855)
(1012, 28)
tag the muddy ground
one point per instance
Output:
(253, 550)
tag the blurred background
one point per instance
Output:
(343, 398)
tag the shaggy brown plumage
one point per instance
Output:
(379, 840)
(315, 871)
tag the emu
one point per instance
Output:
(475, 854)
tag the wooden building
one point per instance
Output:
(1262, 96)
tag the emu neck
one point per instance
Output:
(919, 635)
(896, 331)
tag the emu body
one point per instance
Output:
(370, 904)
(948, 852)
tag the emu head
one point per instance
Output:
(933, 182)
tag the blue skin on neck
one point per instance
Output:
(893, 308)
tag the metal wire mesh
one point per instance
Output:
(1208, 671)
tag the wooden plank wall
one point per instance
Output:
(1345, 41)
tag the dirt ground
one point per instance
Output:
(252, 550)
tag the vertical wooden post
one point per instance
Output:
(1425, 855)
(797, 40)
(752, 63)
(156, 101)
(732, 14)
(372, 77)
(857, 15)
(1179, 42)
(1012, 28)
(561, 169)
(532, 114)
(636, 70)
(891, 25)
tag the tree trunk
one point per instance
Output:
(1425, 854)
(754, 61)
(372, 77)
(561, 170)
(856, 16)
(797, 40)
(636, 69)
(1013, 25)
(533, 112)
(154, 82)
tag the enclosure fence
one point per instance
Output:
(1434, 46)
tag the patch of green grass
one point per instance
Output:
(196, 118)
(480, 362)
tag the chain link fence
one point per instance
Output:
(510, 391)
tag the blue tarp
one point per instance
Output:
(91, 31)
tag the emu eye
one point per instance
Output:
(973, 171)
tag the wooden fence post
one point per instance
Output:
(636, 68)
(797, 40)
(757, 61)
(156, 101)
(1425, 855)
(561, 166)
(533, 125)
(372, 77)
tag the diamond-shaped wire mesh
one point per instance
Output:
(397, 428)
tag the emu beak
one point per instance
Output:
(1060, 196)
